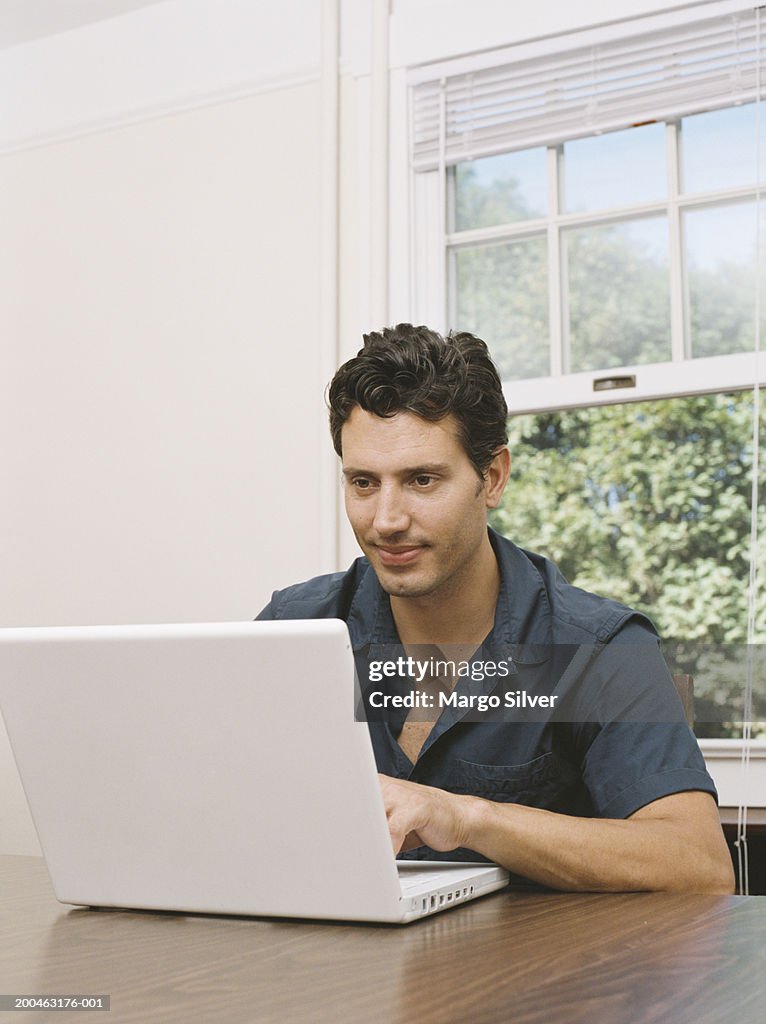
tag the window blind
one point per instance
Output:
(650, 77)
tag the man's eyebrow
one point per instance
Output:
(427, 468)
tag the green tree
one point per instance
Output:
(649, 503)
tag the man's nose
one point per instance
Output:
(391, 514)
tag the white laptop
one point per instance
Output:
(212, 768)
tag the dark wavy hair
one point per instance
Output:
(415, 369)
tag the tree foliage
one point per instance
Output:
(649, 503)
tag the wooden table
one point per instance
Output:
(511, 957)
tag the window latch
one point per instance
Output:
(613, 383)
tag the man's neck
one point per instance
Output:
(462, 614)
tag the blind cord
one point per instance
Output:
(747, 710)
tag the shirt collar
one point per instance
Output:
(523, 621)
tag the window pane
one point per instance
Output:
(619, 294)
(502, 296)
(649, 503)
(615, 169)
(721, 269)
(500, 189)
(718, 148)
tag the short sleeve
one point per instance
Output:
(630, 764)
(634, 742)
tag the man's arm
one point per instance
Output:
(672, 844)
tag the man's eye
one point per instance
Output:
(361, 483)
(423, 480)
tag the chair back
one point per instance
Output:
(685, 687)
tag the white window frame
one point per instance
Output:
(433, 267)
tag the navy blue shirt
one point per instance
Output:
(617, 739)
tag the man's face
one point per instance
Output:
(414, 501)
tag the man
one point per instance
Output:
(610, 794)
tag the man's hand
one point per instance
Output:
(672, 844)
(423, 816)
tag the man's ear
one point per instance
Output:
(496, 477)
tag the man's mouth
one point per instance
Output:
(398, 555)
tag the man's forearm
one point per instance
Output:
(599, 854)
(674, 843)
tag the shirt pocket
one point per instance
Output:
(547, 781)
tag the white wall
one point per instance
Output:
(160, 394)
(424, 31)
(161, 305)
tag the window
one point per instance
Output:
(601, 252)
(593, 214)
